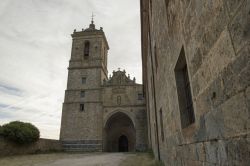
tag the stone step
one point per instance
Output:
(82, 146)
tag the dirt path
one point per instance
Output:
(64, 159)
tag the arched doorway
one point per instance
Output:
(123, 144)
(119, 133)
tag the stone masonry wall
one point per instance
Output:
(81, 125)
(98, 96)
(42, 145)
(131, 106)
(215, 36)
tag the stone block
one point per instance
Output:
(193, 162)
(211, 152)
(240, 26)
(192, 153)
(247, 93)
(201, 133)
(196, 61)
(232, 6)
(208, 164)
(244, 78)
(215, 94)
(196, 87)
(235, 115)
(221, 54)
(216, 152)
(216, 19)
(214, 122)
(235, 77)
(222, 153)
(200, 152)
(230, 82)
(219, 57)
(242, 60)
(238, 151)
(189, 22)
(199, 81)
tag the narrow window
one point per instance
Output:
(84, 80)
(86, 50)
(82, 94)
(166, 4)
(82, 107)
(161, 123)
(184, 91)
(150, 5)
(140, 96)
(156, 57)
(155, 134)
(119, 100)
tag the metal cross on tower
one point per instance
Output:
(92, 18)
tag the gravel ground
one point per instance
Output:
(64, 159)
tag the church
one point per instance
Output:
(193, 106)
(100, 113)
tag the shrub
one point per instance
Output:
(1, 130)
(20, 132)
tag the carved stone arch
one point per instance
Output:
(116, 111)
(116, 126)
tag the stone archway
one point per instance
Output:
(123, 144)
(119, 133)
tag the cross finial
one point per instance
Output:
(92, 18)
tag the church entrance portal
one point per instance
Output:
(123, 144)
(119, 134)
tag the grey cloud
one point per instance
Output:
(35, 46)
(10, 90)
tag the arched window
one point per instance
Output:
(86, 50)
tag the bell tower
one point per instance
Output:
(81, 125)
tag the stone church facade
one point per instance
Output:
(100, 113)
(196, 77)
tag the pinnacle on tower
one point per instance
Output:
(92, 18)
(92, 25)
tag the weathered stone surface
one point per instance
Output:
(233, 6)
(214, 125)
(215, 19)
(110, 107)
(240, 26)
(200, 152)
(235, 116)
(247, 93)
(211, 149)
(196, 61)
(238, 151)
(42, 146)
(215, 38)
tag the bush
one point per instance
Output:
(1, 130)
(20, 132)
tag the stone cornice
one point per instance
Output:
(122, 106)
(105, 71)
(78, 102)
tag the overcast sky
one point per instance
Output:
(35, 46)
